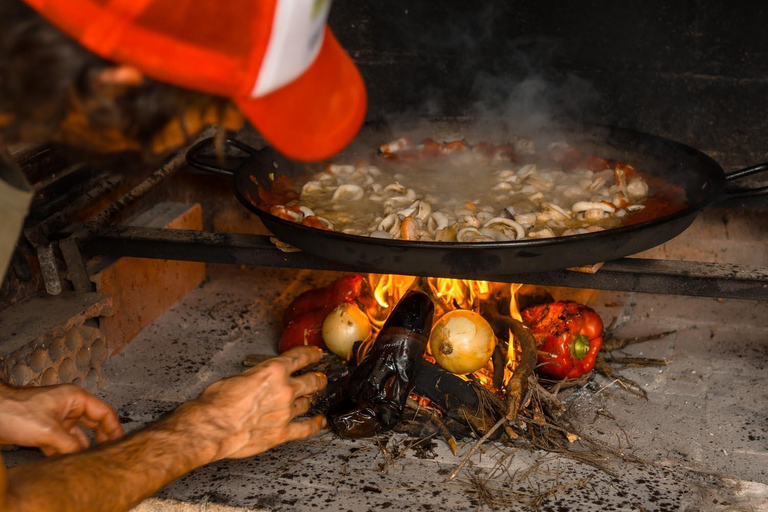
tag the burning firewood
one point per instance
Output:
(461, 400)
(435, 419)
(506, 400)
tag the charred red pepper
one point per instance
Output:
(305, 329)
(373, 398)
(568, 335)
(344, 289)
(304, 317)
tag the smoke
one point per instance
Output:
(537, 102)
(487, 62)
(525, 84)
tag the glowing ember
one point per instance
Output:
(448, 294)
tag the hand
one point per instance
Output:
(51, 418)
(253, 411)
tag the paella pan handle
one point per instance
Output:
(263, 165)
(734, 192)
(215, 165)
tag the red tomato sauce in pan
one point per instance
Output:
(664, 198)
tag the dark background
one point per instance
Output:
(695, 71)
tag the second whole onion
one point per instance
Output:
(462, 342)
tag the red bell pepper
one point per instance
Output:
(304, 317)
(344, 289)
(568, 335)
(305, 329)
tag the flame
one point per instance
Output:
(424, 402)
(448, 294)
(387, 290)
(463, 293)
(514, 312)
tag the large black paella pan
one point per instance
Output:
(702, 179)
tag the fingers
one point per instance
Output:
(306, 428)
(80, 436)
(299, 357)
(101, 418)
(300, 406)
(60, 441)
(309, 383)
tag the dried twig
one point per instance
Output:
(629, 385)
(499, 358)
(475, 447)
(611, 343)
(637, 362)
(516, 387)
(571, 383)
(437, 421)
(546, 396)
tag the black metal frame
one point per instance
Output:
(626, 274)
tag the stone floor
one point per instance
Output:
(703, 431)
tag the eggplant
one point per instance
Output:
(373, 398)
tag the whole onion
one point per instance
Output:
(343, 327)
(462, 342)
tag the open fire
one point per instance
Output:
(447, 295)
(390, 367)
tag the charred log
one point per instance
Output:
(445, 390)
(460, 400)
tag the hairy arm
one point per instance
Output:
(112, 477)
(235, 417)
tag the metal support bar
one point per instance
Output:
(78, 273)
(627, 274)
(38, 235)
(70, 247)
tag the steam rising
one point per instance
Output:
(533, 103)
(485, 85)
(479, 64)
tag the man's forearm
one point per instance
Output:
(235, 417)
(117, 476)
